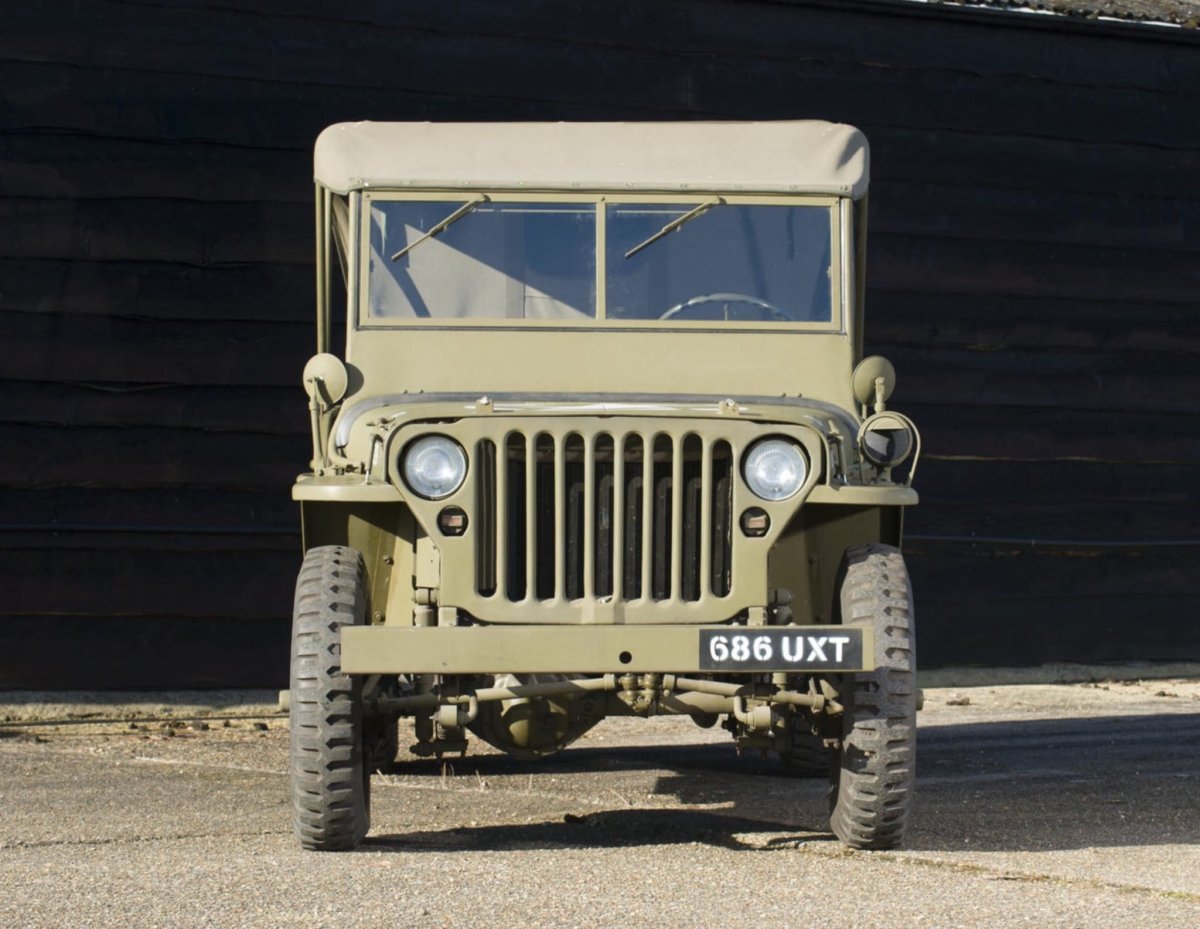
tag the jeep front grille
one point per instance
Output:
(598, 515)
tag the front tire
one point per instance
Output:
(872, 785)
(330, 779)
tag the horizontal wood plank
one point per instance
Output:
(218, 408)
(147, 457)
(985, 322)
(1055, 524)
(140, 289)
(1022, 574)
(52, 347)
(986, 214)
(970, 481)
(98, 516)
(985, 429)
(143, 653)
(948, 265)
(145, 578)
(922, 154)
(61, 166)
(179, 231)
(1100, 381)
(982, 633)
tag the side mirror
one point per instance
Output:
(325, 379)
(325, 382)
(873, 381)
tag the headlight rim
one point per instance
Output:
(805, 466)
(405, 457)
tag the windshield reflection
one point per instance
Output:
(734, 262)
(707, 260)
(495, 261)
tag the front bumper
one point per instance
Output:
(605, 649)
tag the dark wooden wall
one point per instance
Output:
(1034, 272)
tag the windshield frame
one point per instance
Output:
(841, 275)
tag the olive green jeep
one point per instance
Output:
(600, 442)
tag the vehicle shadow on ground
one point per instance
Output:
(624, 828)
(1007, 786)
(711, 774)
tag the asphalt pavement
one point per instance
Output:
(1052, 806)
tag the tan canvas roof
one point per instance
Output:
(769, 157)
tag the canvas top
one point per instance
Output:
(795, 156)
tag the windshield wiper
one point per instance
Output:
(673, 225)
(442, 226)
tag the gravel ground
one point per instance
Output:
(1046, 805)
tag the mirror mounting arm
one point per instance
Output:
(320, 459)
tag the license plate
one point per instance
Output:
(791, 648)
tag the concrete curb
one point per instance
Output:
(1057, 673)
(96, 706)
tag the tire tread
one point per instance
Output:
(872, 787)
(329, 787)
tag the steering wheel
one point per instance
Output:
(679, 309)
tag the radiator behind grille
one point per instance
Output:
(626, 516)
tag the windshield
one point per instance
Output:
(701, 260)
(741, 263)
(495, 261)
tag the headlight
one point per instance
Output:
(886, 439)
(775, 469)
(434, 466)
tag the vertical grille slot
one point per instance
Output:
(661, 518)
(633, 484)
(485, 517)
(721, 533)
(565, 516)
(574, 505)
(545, 518)
(513, 540)
(604, 458)
(693, 533)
